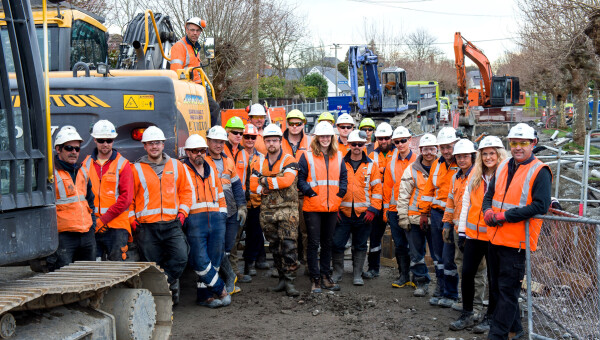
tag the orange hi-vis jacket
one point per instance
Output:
(324, 181)
(229, 173)
(183, 55)
(260, 143)
(285, 164)
(517, 195)
(455, 197)
(410, 191)
(382, 160)
(106, 190)
(391, 179)
(342, 147)
(158, 199)
(207, 192)
(437, 187)
(302, 146)
(243, 165)
(476, 227)
(364, 188)
(72, 210)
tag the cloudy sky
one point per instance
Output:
(343, 21)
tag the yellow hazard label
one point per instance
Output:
(138, 102)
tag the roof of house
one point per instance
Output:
(290, 74)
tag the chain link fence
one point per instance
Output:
(563, 295)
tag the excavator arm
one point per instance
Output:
(462, 48)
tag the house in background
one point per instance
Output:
(329, 74)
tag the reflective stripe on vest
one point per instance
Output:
(526, 185)
(120, 163)
(313, 173)
(367, 202)
(144, 184)
(73, 213)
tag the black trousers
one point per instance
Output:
(73, 246)
(475, 251)
(320, 227)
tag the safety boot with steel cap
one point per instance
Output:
(327, 283)
(465, 320)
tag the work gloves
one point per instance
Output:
(493, 219)
(462, 238)
(134, 227)
(447, 232)
(181, 218)
(242, 214)
(101, 228)
(369, 216)
(424, 222)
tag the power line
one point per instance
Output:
(387, 4)
(434, 43)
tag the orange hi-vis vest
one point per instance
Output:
(244, 164)
(260, 144)
(106, 190)
(72, 210)
(160, 199)
(476, 227)
(382, 160)
(261, 165)
(302, 147)
(517, 195)
(325, 181)
(420, 179)
(364, 189)
(184, 56)
(207, 193)
(391, 180)
(343, 148)
(229, 173)
(437, 187)
(454, 201)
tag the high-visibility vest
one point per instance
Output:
(454, 201)
(72, 210)
(244, 166)
(324, 181)
(517, 195)
(380, 159)
(364, 189)
(207, 194)
(106, 190)
(391, 181)
(259, 145)
(476, 227)
(229, 173)
(436, 190)
(419, 178)
(160, 199)
(302, 147)
(281, 181)
(184, 56)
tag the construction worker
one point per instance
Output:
(185, 54)
(380, 156)
(112, 184)
(519, 190)
(345, 124)
(326, 116)
(274, 176)
(410, 193)
(359, 207)
(162, 198)
(235, 129)
(473, 239)
(205, 226)
(368, 126)
(402, 157)
(432, 205)
(256, 117)
(233, 190)
(294, 143)
(323, 180)
(75, 216)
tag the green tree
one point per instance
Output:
(318, 81)
(343, 68)
(271, 87)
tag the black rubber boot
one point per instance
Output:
(281, 285)
(404, 269)
(338, 266)
(358, 263)
(228, 275)
(290, 290)
(174, 288)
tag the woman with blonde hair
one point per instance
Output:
(472, 230)
(322, 178)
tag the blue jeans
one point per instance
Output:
(399, 237)
(437, 245)
(232, 226)
(111, 244)
(450, 271)
(416, 250)
(206, 235)
(351, 225)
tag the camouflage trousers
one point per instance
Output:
(280, 227)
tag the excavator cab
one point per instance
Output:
(393, 84)
(505, 91)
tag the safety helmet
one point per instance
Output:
(272, 130)
(490, 142)
(384, 130)
(195, 141)
(104, 129)
(324, 129)
(401, 132)
(345, 119)
(257, 110)
(427, 140)
(250, 130)
(366, 122)
(326, 116)
(295, 113)
(521, 130)
(153, 133)
(217, 132)
(463, 146)
(234, 122)
(447, 135)
(356, 137)
(66, 134)
(197, 21)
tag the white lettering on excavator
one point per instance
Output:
(76, 100)
(197, 126)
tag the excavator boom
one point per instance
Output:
(462, 48)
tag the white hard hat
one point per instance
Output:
(463, 146)
(324, 129)
(447, 135)
(67, 134)
(401, 132)
(428, 140)
(355, 137)
(195, 141)
(196, 21)
(272, 130)
(522, 130)
(490, 142)
(152, 133)
(217, 132)
(257, 110)
(345, 119)
(104, 129)
(384, 130)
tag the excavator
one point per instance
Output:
(494, 94)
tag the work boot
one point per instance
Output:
(358, 262)
(290, 290)
(446, 302)
(457, 306)
(464, 321)
(327, 283)
(273, 272)
(210, 303)
(264, 265)
(437, 294)
(404, 269)
(370, 274)
(483, 326)
(281, 285)
(244, 278)
(373, 259)
(315, 287)
(249, 269)
(228, 276)
(422, 289)
(225, 298)
(174, 288)
(338, 266)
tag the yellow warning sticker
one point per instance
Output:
(138, 102)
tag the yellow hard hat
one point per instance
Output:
(295, 113)
(367, 122)
(326, 116)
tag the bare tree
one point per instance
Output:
(123, 12)
(420, 46)
(99, 7)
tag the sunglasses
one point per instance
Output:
(360, 145)
(250, 137)
(103, 141)
(345, 127)
(295, 124)
(383, 138)
(195, 151)
(367, 129)
(70, 148)
(154, 142)
(237, 133)
(398, 141)
(521, 144)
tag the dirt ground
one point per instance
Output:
(373, 311)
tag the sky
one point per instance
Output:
(342, 22)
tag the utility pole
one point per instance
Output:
(336, 47)
(255, 42)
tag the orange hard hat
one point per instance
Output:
(250, 130)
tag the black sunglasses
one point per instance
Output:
(195, 151)
(250, 137)
(360, 145)
(107, 141)
(70, 148)
(383, 138)
(403, 140)
(345, 127)
(367, 129)
(237, 133)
